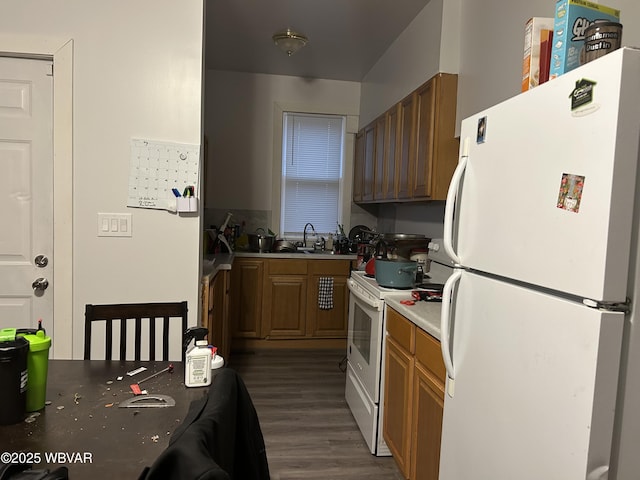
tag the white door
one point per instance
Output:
(547, 196)
(26, 193)
(534, 383)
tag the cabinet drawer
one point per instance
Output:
(429, 354)
(329, 267)
(401, 330)
(287, 267)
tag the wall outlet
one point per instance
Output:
(114, 225)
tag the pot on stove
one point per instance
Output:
(394, 273)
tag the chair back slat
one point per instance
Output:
(141, 314)
(165, 339)
(109, 340)
(152, 338)
(138, 338)
(123, 338)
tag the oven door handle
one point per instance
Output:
(371, 302)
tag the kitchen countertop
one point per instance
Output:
(301, 256)
(212, 264)
(425, 315)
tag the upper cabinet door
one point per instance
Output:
(380, 174)
(391, 151)
(425, 113)
(369, 162)
(407, 153)
(410, 152)
(358, 167)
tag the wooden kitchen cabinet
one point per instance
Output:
(358, 167)
(392, 154)
(328, 322)
(245, 308)
(386, 142)
(282, 300)
(415, 158)
(285, 299)
(369, 162)
(428, 408)
(436, 148)
(414, 398)
(398, 389)
(406, 156)
(215, 311)
(379, 159)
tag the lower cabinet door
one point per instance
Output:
(397, 403)
(284, 307)
(428, 404)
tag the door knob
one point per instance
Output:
(41, 261)
(40, 284)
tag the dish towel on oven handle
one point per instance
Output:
(325, 293)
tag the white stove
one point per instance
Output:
(368, 284)
(366, 351)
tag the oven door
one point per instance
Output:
(364, 340)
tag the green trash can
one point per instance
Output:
(37, 366)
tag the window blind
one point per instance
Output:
(311, 172)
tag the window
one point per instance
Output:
(312, 172)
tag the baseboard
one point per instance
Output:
(239, 344)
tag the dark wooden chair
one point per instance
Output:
(137, 313)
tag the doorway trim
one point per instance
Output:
(61, 52)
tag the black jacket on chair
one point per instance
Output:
(220, 438)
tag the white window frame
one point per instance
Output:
(351, 127)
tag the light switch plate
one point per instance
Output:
(114, 225)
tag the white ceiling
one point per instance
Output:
(346, 37)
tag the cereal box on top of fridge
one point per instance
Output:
(531, 68)
(572, 18)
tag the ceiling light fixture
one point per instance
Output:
(289, 41)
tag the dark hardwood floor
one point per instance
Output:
(308, 428)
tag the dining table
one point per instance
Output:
(85, 427)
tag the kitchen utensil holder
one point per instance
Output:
(187, 204)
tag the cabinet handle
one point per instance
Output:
(449, 209)
(445, 328)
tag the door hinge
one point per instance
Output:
(624, 307)
(50, 74)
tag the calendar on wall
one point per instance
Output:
(157, 168)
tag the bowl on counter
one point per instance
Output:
(284, 246)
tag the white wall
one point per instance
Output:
(136, 73)
(491, 46)
(481, 41)
(427, 46)
(239, 123)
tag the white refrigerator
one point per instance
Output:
(538, 319)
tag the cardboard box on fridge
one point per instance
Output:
(572, 17)
(532, 69)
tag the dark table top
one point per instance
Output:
(86, 430)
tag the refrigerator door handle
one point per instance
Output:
(600, 473)
(445, 328)
(452, 195)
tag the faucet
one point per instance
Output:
(304, 233)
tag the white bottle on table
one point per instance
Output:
(197, 370)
